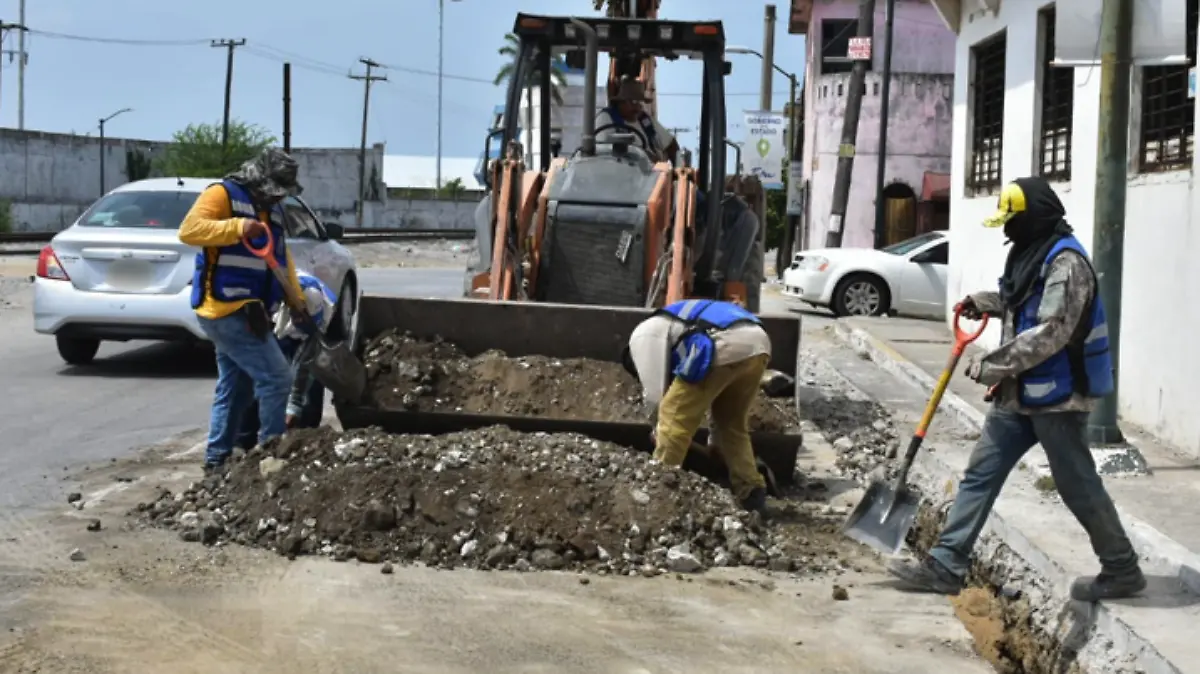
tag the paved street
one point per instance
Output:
(56, 416)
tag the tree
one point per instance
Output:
(558, 81)
(453, 188)
(196, 150)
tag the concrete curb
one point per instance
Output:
(1151, 544)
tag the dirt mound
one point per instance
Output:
(436, 376)
(492, 499)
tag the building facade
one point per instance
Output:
(919, 130)
(1016, 115)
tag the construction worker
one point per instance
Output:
(306, 402)
(1052, 365)
(234, 294)
(697, 356)
(625, 114)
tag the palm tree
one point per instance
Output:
(558, 82)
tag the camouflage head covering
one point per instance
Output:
(270, 176)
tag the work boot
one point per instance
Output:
(1106, 585)
(756, 501)
(927, 575)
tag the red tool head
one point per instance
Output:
(267, 250)
(961, 337)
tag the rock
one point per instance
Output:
(750, 555)
(210, 533)
(843, 444)
(681, 560)
(498, 555)
(93, 525)
(368, 555)
(840, 593)
(386, 569)
(189, 519)
(378, 517)
(189, 536)
(270, 466)
(77, 555)
(640, 497)
(74, 497)
(546, 559)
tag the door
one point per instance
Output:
(312, 250)
(923, 282)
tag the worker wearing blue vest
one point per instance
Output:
(234, 294)
(625, 114)
(697, 356)
(1052, 364)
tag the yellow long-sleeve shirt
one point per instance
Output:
(210, 225)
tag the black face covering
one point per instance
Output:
(1032, 233)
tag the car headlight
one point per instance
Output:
(815, 263)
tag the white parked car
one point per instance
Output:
(120, 272)
(907, 278)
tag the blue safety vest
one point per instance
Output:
(1084, 366)
(644, 123)
(237, 273)
(693, 354)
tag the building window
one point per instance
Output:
(835, 45)
(987, 114)
(1058, 105)
(1168, 115)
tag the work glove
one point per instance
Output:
(969, 309)
(974, 370)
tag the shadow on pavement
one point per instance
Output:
(155, 361)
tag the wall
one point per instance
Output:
(919, 116)
(1159, 365)
(51, 178)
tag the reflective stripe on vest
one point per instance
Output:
(649, 135)
(237, 273)
(1084, 367)
(693, 355)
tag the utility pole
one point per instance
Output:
(846, 151)
(229, 45)
(884, 111)
(1108, 239)
(4, 27)
(22, 59)
(768, 58)
(367, 79)
(103, 148)
(287, 107)
(793, 155)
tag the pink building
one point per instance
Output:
(917, 165)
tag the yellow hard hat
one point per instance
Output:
(1012, 202)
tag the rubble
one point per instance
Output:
(489, 499)
(436, 376)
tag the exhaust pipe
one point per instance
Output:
(591, 64)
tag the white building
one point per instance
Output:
(1014, 115)
(566, 121)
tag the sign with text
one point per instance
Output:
(795, 193)
(765, 148)
(860, 49)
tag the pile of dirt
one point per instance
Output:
(489, 499)
(436, 376)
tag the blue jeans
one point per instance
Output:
(247, 367)
(1006, 437)
(310, 414)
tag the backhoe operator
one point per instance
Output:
(625, 114)
(704, 355)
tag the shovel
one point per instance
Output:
(334, 365)
(886, 513)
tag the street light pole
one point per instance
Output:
(441, 58)
(103, 120)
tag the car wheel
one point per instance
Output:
(77, 350)
(344, 313)
(861, 295)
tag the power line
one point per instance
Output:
(113, 40)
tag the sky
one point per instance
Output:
(71, 83)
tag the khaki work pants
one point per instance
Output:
(728, 392)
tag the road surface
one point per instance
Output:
(56, 416)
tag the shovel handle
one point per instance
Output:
(295, 302)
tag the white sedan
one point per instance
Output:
(120, 272)
(906, 278)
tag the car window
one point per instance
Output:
(909, 245)
(300, 223)
(158, 210)
(939, 254)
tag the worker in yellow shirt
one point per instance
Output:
(235, 294)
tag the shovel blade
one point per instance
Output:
(336, 366)
(873, 525)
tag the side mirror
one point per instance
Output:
(727, 68)
(487, 157)
(335, 230)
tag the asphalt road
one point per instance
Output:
(56, 416)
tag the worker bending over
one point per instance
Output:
(625, 114)
(235, 294)
(306, 403)
(1052, 364)
(705, 355)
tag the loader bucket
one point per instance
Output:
(556, 331)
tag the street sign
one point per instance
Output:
(860, 49)
(795, 192)
(764, 148)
